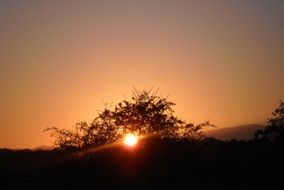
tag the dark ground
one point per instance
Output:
(153, 164)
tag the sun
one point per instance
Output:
(130, 140)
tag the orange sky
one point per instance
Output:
(59, 62)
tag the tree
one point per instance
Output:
(145, 114)
(275, 128)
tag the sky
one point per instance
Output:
(60, 61)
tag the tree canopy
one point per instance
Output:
(275, 128)
(144, 114)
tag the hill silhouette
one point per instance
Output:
(241, 132)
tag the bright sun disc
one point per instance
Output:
(130, 140)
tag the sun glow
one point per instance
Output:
(130, 140)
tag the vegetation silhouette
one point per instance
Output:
(167, 160)
(144, 115)
(275, 128)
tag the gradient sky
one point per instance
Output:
(59, 61)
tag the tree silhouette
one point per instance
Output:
(275, 129)
(145, 114)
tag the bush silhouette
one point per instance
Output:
(158, 162)
(145, 114)
(275, 129)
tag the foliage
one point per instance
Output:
(145, 114)
(275, 129)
